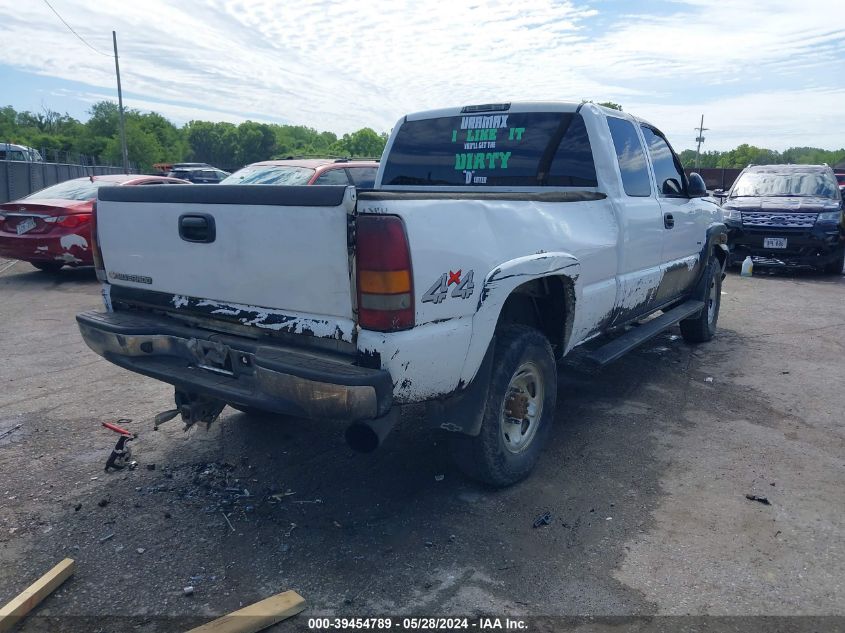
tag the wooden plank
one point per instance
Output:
(26, 601)
(256, 616)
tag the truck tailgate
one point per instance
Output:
(270, 256)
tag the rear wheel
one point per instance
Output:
(835, 267)
(48, 267)
(702, 327)
(518, 413)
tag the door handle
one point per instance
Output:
(197, 227)
(668, 220)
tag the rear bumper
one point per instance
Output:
(815, 247)
(75, 251)
(239, 370)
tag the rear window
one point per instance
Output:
(269, 175)
(792, 183)
(525, 149)
(79, 189)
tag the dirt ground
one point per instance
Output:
(645, 480)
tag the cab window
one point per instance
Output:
(667, 168)
(332, 177)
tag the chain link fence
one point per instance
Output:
(20, 178)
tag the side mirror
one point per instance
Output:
(696, 187)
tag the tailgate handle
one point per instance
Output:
(197, 227)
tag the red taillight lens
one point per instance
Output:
(385, 280)
(73, 221)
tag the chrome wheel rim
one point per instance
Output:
(522, 408)
(711, 301)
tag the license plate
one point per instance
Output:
(26, 225)
(774, 242)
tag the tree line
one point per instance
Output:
(151, 139)
(745, 155)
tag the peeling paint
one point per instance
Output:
(69, 241)
(67, 258)
(266, 318)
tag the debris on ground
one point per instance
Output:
(141, 550)
(77, 507)
(188, 591)
(107, 537)
(543, 519)
(439, 477)
(708, 379)
(257, 616)
(764, 500)
(103, 503)
(10, 431)
(31, 597)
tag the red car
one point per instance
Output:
(307, 171)
(52, 227)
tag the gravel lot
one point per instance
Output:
(645, 480)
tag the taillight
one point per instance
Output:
(99, 267)
(73, 221)
(385, 282)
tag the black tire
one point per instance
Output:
(701, 327)
(48, 267)
(835, 267)
(490, 456)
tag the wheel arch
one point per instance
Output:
(531, 290)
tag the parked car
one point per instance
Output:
(52, 227)
(497, 239)
(11, 151)
(319, 171)
(786, 215)
(199, 175)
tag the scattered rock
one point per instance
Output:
(77, 507)
(103, 503)
(429, 544)
(141, 550)
(188, 591)
(439, 477)
(708, 379)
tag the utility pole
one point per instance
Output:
(124, 151)
(699, 139)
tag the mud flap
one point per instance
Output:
(463, 411)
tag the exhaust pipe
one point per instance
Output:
(367, 436)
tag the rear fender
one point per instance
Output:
(499, 284)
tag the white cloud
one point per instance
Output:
(754, 68)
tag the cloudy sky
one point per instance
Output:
(766, 72)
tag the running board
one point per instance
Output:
(609, 352)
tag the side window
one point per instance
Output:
(573, 165)
(332, 177)
(667, 169)
(630, 157)
(363, 177)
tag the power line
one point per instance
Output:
(70, 28)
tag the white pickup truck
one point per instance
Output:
(498, 238)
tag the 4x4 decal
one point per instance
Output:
(440, 290)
